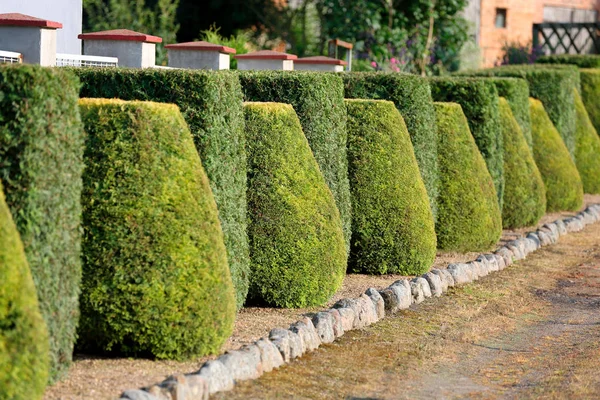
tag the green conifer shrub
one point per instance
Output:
(392, 226)
(590, 87)
(587, 150)
(469, 215)
(297, 247)
(155, 275)
(516, 92)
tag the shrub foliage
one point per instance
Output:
(564, 190)
(392, 226)
(24, 359)
(479, 101)
(41, 149)
(469, 215)
(412, 96)
(155, 275)
(524, 190)
(318, 100)
(516, 92)
(297, 247)
(590, 87)
(587, 150)
(211, 103)
(580, 60)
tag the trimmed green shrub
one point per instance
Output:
(469, 216)
(155, 275)
(318, 99)
(211, 103)
(392, 225)
(564, 190)
(524, 190)
(297, 248)
(24, 348)
(41, 150)
(553, 85)
(590, 87)
(412, 96)
(479, 101)
(587, 151)
(516, 92)
(580, 60)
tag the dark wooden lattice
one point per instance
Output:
(567, 38)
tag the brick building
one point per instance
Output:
(496, 22)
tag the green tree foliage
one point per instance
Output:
(155, 276)
(412, 97)
(469, 218)
(392, 225)
(297, 249)
(24, 349)
(590, 87)
(564, 189)
(587, 150)
(41, 150)
(211, 104)
(524, 190)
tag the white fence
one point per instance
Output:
(10, 57)
(73, 60)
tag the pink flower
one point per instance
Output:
(373, 64)
(393, 60)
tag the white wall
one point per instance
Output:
(67, 12)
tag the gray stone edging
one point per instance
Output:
(284, 345)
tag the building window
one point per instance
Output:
(500, 18)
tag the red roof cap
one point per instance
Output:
(121, 34)
(201, 46)
(17, 19)
(267, 55)
(320, 60)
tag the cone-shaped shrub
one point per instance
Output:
(564, 190)
(524, 190)
(297, 247)
(587, 151)
(155, 274)
(23, 336)
(590, 87)
(469, 215)
(412, 96)
(392, 224)
(41, 150)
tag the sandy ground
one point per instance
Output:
(100, 378)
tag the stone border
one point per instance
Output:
(284, 345)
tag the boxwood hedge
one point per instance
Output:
(318, 99)
(564, 190)
(516, 92)
(23, 337)
(211, 103)
(590, 87)
(580, 60)
(587, 150)
(392, 225)
(553, 85)
(41, 149)
(412, 96)
(524, 190)
(155, 275)
(297, 247)
(479, 101)
(469, 216)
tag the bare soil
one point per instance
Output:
(101, 378)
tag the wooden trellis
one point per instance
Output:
(567, 38)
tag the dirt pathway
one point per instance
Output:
(530, 331)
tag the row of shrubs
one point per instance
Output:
(425, 164)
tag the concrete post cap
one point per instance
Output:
(120, 34)
(17, 19)
(266, 55)
(320, 60)
(201, 46)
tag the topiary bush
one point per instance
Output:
(41, 150)
(211, 103)
(412, 97)
(297, 246)
(392, 226)
(24, 360)
(479, 101)
(318, 99)
(580, 60)
(590, 87)
(524, 190)
(564, 190)
(516, 92)
(469, 216)
(155, 275)
(553, 85)
(587, 151)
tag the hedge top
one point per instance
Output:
(580, 60)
